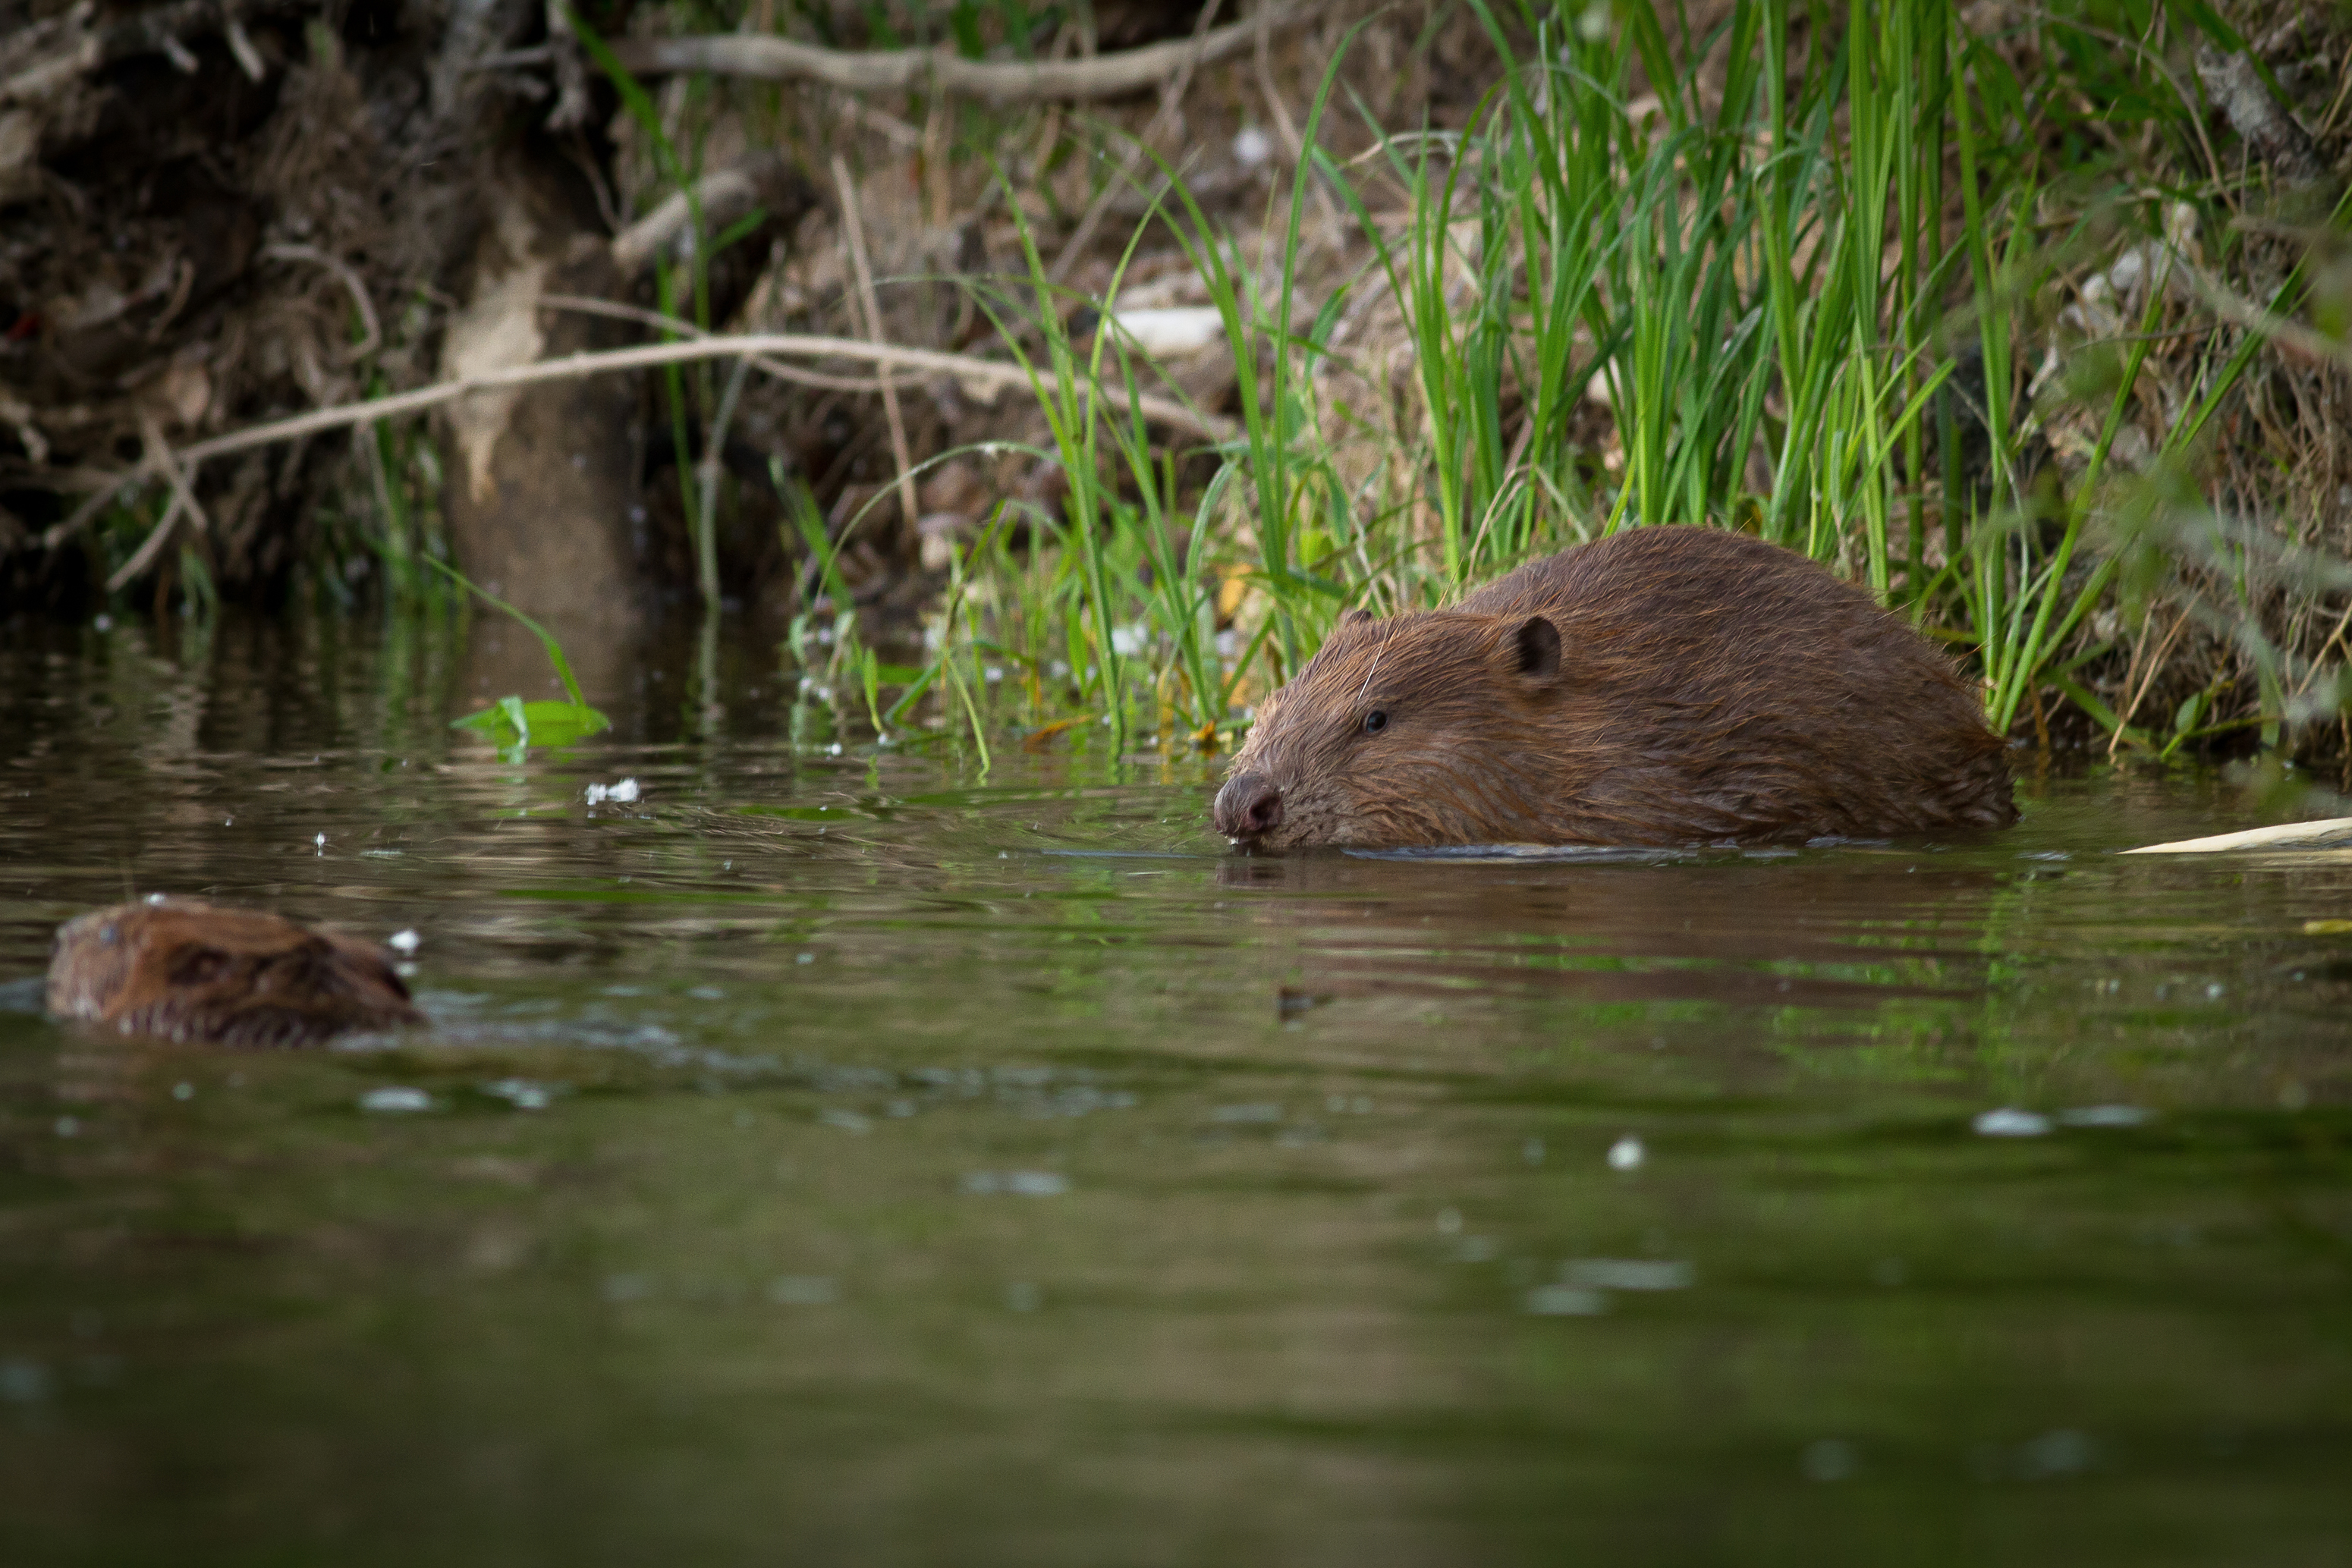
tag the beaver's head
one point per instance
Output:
(183, 969)
(1427, 729)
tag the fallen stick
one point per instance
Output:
(2326, 832)
(646, 356)
(942, 70)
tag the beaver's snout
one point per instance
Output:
(1248, 807)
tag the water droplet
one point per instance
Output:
(1565, 1301)
(1628, 1274)
(803, 1291)
(1829, 1459)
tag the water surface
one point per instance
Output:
(837, 1155)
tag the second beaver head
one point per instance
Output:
(1413, 730)
(181, 969)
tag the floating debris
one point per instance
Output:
(2009, 1122)
(1627, 1153)
(395, 1098)
(621, 794)
(2323, 834)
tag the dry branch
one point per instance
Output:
(941, 69)
(2270, 133)
(723, 196)
(751, 345)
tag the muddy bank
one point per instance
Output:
(216, 220)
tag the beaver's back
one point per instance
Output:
(1731, 688)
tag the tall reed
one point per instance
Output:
(1801, 296)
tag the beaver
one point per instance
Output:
(1663, 686)
(186, 970)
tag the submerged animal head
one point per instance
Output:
(1421, 729)
(181, 969)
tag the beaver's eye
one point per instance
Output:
(1375, 721)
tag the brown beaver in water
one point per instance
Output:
(1663, 685)
(186, 970)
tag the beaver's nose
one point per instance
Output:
(1248, 807)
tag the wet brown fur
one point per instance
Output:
(184, 970)
(1708, 686)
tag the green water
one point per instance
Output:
(842, 1157)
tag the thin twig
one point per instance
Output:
(2277, 329)
(587, 305)
(148, 549)
(646, 356)
(159, 458)
(352, 284)
(853, 229)
(942, 70)
(2155, 667)
(722, 195)
(59, 533)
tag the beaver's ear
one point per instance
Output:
(1533, 647)
(1357, 618)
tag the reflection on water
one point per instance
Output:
(827, 1155)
